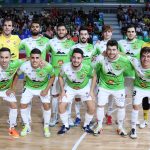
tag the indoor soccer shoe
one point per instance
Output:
(143, 124)
(122, 132)
(77, 121)
(87, 129)
(47, 133)
(133, 134)
(13, 133)
(53, 122)
(26, 130)
(63, 130)
(98, 130)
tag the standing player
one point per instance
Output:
(37, 83)
(100, 49)
(88, 53)
(60, 53)
(141, 85)
(8, 78)
(131, 47)
(8, 40)
(111, 70)
(74, 81)
(35, 41)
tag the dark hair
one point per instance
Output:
(112, 43)
(144, 50)
(5, 49)
(35, 51)
(77, 50)
(36, 21)
(8, 19)
(106, 28)
(60, 25)
(130, 26)
(83, 28)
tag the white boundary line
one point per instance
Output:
(76, 145)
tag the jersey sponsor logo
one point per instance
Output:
(60, 62)
(143, 85)
(111, 82)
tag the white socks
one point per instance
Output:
(55, 107)
(88, 119)
(64, 119)
(120, 117)
(134, 118)
(77, 109)
(12, 117)
(100, 115)
(25, 116)
(46, 116)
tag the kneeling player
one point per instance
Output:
(76, 75)
(37, 84)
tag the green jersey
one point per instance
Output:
(142, 76)
(30, 43)
(60, 52)
(36, 79)
(131, 48)
(7, 75)
(111, 72)
(100, 47)
(76, 79)
(88, 52)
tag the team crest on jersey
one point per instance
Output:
(117, 67)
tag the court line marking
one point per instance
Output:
(76, 145)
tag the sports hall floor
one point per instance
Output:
(75, 139)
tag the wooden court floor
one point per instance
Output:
(75, 139)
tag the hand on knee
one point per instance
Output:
(23, 106)
(13, 105)
(46, 106)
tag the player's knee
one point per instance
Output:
(23, 106)
(62, 107)
(46, 106)
(13, 105)
(145, 103)
(136, 107)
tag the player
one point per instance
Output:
(37, 83)
(141, 85)
(8, 40)
(76, 83)
(59, 48)
(111, 70)
(89, 54)
(100, 48)
(8, 80)
(35, 41)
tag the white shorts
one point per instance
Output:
(103, 96)
(55, 88)
(28, 94)
(139, 94)
(71, 93)
(10, 98)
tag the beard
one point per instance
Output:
(34, 33)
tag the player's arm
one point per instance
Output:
(93, 85)
(50, 82)
(12, 89)
(61, 83)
